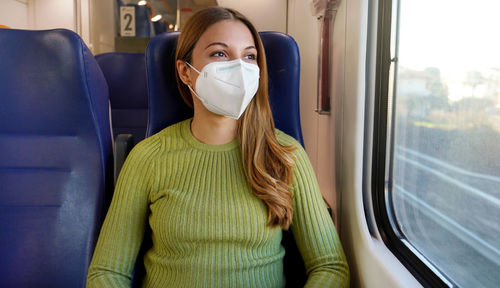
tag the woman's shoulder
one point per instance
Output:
(172, 131)
(300, 156)
(285, 139)
(161, 141)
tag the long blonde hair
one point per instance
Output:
(268, 164)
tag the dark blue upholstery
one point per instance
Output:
(55, 158)
(142, 21)
(126, 77)
(167, 107)
(160, 27)
(283, 64)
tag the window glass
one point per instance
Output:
(445, 163)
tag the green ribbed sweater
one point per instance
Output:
(208, 228)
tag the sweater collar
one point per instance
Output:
(188, 137)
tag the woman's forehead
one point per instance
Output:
(230, 32)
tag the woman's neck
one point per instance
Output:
(213, 129)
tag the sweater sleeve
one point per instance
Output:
(122, 231)
(314, 231)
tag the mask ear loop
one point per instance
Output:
(192, 90)
(193, 67)
(189, 86)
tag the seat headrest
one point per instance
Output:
(283, 68)
(126, 77)
(41, 70)
(166, 106)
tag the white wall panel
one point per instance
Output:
(14, 14)
(51, 14)
(266, 15)
(102, 25)
(319, 131)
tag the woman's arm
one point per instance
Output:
(314, 231)
(123, 229)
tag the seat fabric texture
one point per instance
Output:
(55, 158)
(125, 74)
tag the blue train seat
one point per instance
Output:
(55, 158)
(125, 74)
(142, 21)
(160, 27)
(167, 107)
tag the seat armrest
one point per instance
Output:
(123, 145)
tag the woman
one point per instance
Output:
(217, 189)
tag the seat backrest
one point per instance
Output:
(166, 104)
(167, 107)
(125, 74)
(55, 158)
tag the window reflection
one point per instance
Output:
(446, 164)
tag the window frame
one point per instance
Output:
(383, 141)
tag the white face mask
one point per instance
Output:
(226, 88)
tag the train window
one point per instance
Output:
(442, 144)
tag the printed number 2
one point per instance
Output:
(128, 17)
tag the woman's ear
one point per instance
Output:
(183, 70)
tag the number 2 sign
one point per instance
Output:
(127, 21)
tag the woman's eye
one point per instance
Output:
(218, 54)
(251, 57)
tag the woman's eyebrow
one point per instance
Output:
(217, 43)
(225, 45)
